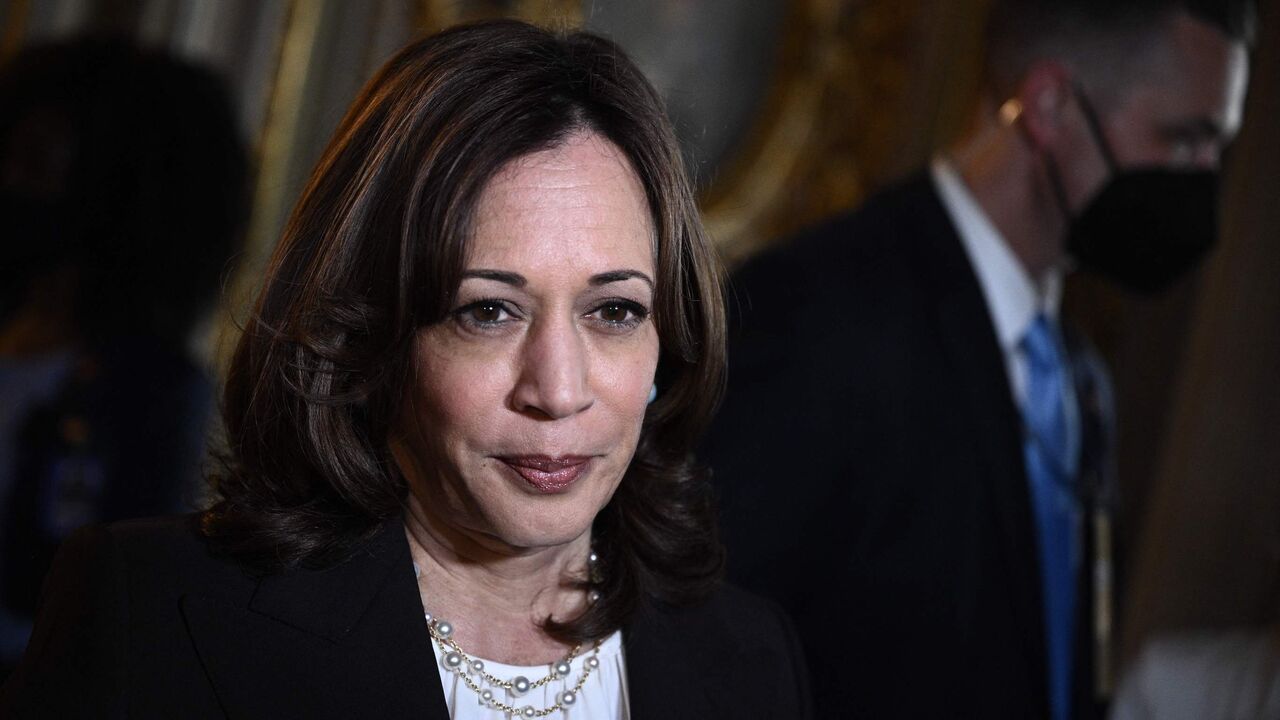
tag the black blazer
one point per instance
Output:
(870, 463)
(139, 621)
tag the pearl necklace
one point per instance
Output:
(469, 668)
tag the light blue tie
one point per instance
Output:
(1051, 451)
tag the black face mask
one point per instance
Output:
(1146, 227)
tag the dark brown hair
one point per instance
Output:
(374, 252)
(1098, 34)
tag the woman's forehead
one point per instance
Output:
(576, 204)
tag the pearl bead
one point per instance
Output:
(593, 662)
(562, 668)
(477, 666)
(568, 697)
(429, 617)
(520, 684)
(486, 696)
(444, 627)
(593, 596)
(593, 558)
(528, 711)
(453, 660)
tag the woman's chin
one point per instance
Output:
(531, 532)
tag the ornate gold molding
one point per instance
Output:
(843, 111)
(832, 126)
(275, 154)
(744, 207)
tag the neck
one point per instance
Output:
(496, 596)
(1011, 185)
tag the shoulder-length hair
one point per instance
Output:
(374, 251)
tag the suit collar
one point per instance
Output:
(661, 677)
(975, 355)
(342, 642)
(329, 603)
(672, 675)
(1013, 297)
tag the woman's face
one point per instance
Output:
(529, 397)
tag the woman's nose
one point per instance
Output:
(554, 372)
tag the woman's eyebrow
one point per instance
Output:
(613, 276)
(502, 276)
(518, 280)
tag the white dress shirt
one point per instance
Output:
(1014, 300)
(1013, 297)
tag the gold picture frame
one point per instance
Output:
(838, 74)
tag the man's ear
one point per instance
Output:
(1043, 96)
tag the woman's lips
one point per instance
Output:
(548, 474)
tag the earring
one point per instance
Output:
(653, 392)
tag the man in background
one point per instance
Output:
(913, 454)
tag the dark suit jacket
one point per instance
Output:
(139, 621)
(870, 462)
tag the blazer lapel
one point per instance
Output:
(340, 643)
(673, 677)
(974, 352)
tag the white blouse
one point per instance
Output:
(604, 696)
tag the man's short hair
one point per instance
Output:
(1020, 32)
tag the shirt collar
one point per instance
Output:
(1013, 298)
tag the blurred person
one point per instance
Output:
(1204, 675)
(122, 193)
(915, 456)
(460, 423)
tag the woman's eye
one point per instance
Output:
(487, 313)
(614, 313)
(621, 314)
(484, 313)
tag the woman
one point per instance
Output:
(460, 482)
